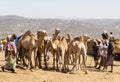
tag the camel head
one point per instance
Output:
(44, 33)
(57, 31)
(86, 38)
(69, 35)
(41, 34)
(55, 35)
(83, 38)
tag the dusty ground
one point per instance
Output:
(50, 76)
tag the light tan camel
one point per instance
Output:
(54, 47)
(78, 48)
(62, 53)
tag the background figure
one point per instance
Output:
(111, 54)
(105, 35)
(103, 55)
(96, 49)
(18, 38)
(111, 37)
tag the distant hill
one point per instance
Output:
(93, 27)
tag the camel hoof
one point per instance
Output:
(32, 70)
(86, 72)
(46, 67)
(65, 71)
(40, 67)
(2, 69)
(72, 72)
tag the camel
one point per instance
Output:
(117, 46)
(54, 47)
(62, 53)
(59, 49)
(78, 47)
(47, 49)
(69, 41)
(42, 46)
(28, 43)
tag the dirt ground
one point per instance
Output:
(40, 75)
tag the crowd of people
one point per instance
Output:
(103, 50)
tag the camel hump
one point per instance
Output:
(28, 33)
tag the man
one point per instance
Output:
(96, 52)
(110, 55)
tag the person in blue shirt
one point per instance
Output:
(18, 38)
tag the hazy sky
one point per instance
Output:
(61, 8)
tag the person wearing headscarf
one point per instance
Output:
(104, 34)
(105, 37)
(10, 52)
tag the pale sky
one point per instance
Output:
(62, 8)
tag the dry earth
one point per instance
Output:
(50, 76)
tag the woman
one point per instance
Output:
(10, 52)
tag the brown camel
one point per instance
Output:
(28, 43)
(47, 49)
(42, 46)
(117, 46)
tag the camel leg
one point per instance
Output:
(35, 58)
(45, 61)
(57, 58)
(63, 64)
(66, 61)
(75, 63)
(23, 55)
(30, 59)
(79, 61)
(39, 59)
(84, 62)
(53, 60)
